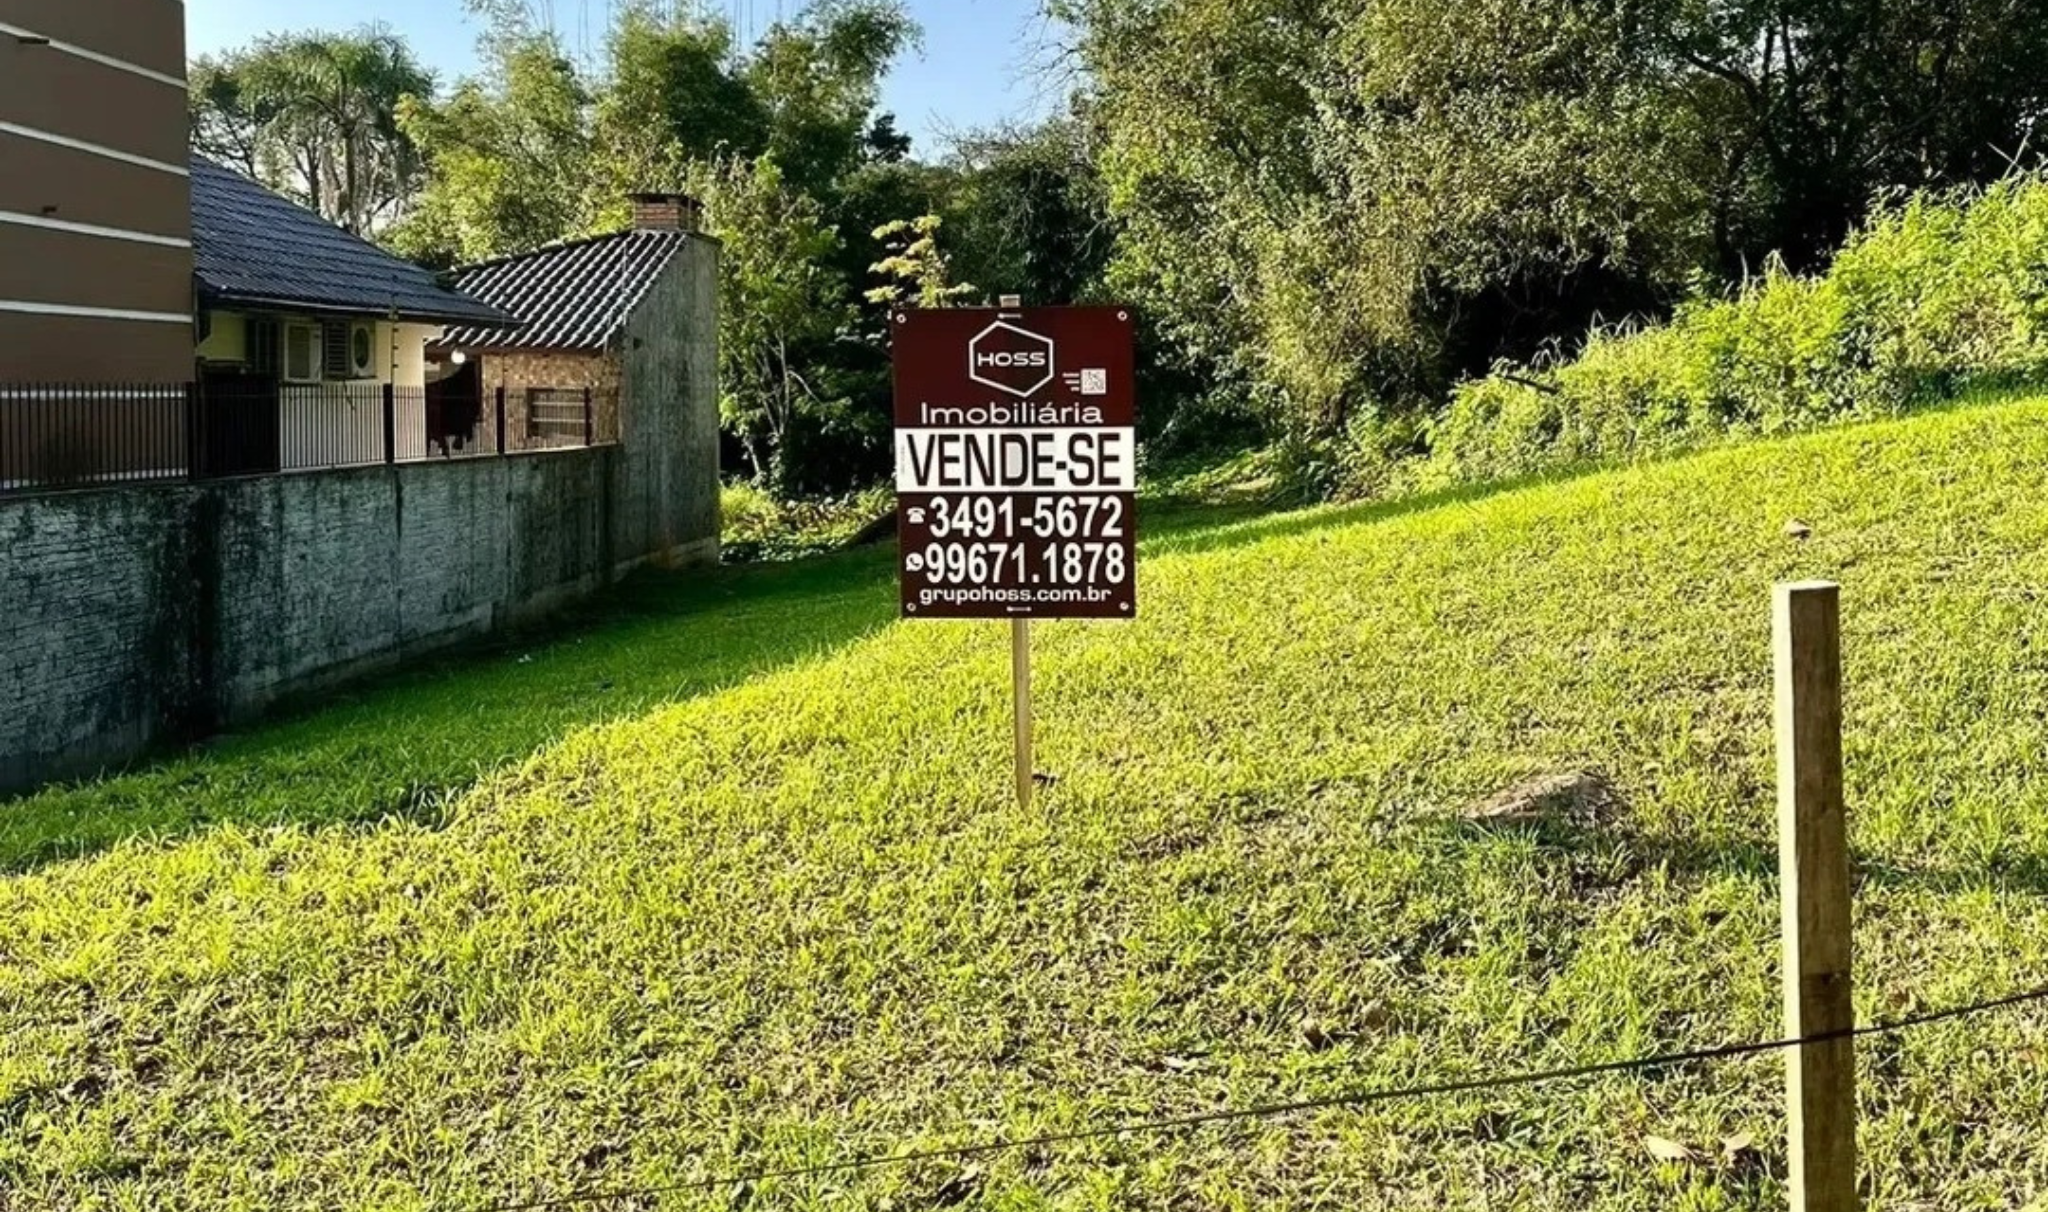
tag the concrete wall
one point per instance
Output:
(667, 490)
(133, 617)
(93, 627)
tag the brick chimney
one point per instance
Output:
(667, 212)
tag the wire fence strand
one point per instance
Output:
(1347, 1099)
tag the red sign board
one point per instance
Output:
(1016, 462)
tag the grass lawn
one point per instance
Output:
(763, 901)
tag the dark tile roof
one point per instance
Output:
(255, 248)
(574, 296)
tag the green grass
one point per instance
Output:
(773, 907)
(409, 744)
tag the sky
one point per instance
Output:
(976, 67)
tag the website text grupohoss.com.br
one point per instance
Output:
(965, 595)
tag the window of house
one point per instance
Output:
(554, 416)
(301, 353)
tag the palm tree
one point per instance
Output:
(316, 115)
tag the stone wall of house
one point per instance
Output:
(135, 617)
(518, 374)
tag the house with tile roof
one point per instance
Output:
(617, 337)
(294, 329)
(597, 320)
(293, 308)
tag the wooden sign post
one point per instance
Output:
(1813, 874)
(1020, 678)
(1020, 671)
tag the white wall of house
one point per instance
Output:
(340, 422)
(228, 341)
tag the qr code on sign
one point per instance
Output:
(1094, 382)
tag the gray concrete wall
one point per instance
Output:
(134, 617)
(95, 615)
(667, 491)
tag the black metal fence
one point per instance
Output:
(81, 435)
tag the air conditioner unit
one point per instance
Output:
(362, 351)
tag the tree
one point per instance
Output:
(785, 147)
(227, 113)
(673, 98)
(315, 115)
(1814, 106)
(508, 158)
(1324, 199)
(818, 79)
(780, 303)
(1031, 213)
(915, 273)
(1345, 204)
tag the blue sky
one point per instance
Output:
(977, 65)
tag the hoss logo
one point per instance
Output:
(1011, 359)
(1008, 358)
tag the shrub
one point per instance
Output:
(758, 526)
(1936, 295)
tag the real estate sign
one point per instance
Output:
(1016, 462)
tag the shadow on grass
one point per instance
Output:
(1753, 859)
(406, 744)
(2014, 871)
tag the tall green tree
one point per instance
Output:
(819, 78)
(509, 158)
(797, 171)
(1813, 106)
(315, 115)
(1030, 215)
(781, 305)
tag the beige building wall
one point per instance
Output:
(399, 350)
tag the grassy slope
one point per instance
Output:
(796, 919)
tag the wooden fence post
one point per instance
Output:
(589, 419)
(390, 423)
(501, 418)
(1813, 873)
